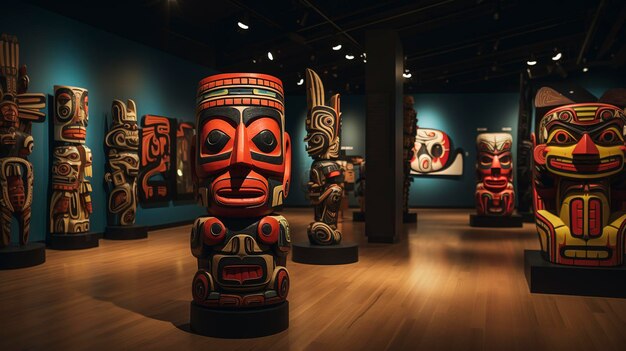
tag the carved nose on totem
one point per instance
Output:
(241, 149)
(586, 147)
(496, 166)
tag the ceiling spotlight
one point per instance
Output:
(337, 47)
(557, 55)
(242, 25)
(301, 81)
(364, 60)
(531, 62)
(253, 60)
(407, 75)
(585, 69)
(349, 57)
(270, 56)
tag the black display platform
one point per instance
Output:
(74, 241)
(513, 221)
(528, 217)
(31, 254)
(125, 232)
(343, 253)
(549, 278)
(410, 217)
(358, 216)
(240, 323)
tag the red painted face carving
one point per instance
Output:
(242, 150)
(494, 170)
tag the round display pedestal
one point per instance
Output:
(342, 253)
(76, 241)
(239, 323)
(358, 216)
(125, 232)
(512, 221)
(409, 217)
(31, 254)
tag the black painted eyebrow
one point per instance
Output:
(229, 113)
(252, 113)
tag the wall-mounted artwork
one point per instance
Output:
(495, 195)
(243, 166)
(434, 154)
(70, 204)
(155, 159)
(122, 142)
(579, 179)
(18, 110)
(185, 132)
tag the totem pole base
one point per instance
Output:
(125, 232)
(513, 221)
(548, 278)
(409, 217)
(77, 241)
(343, 253)
(528, 217)
(239, 323)
(358, 216)
(31, 254)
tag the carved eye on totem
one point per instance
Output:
(64, 105)
(608, 137)
(265, 141)
(215, 141)
(562, 137)
(327, 121)
(73, 156)
(85, 102)
(485, 161)
(436, 150)
(505, 161)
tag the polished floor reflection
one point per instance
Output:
(444, 286)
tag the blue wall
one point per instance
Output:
(61, 51)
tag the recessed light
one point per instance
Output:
(531, 62)
(407, 75)
(585, 69)
(242, 25)
(557, 56)
(270, 56)
(349, 57)
(301, 81)
(337, 47)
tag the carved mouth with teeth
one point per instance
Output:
(74, 132)
(585, 165)
(242, 273)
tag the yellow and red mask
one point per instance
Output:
(242, 152)
(579, 164)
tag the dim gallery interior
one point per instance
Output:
(181, 174)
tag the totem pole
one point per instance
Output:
(70, 204)
(408, 144)
(242, 166)
(579, 180)
(323, 127)
(494, 195)
(122, 143)
(155, 178)
(18, 110)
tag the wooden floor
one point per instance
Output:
(445, 286)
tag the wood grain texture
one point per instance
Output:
(444, 286)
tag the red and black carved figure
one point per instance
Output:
(18, 110)
(156, 148)
(323, 127)
(242, 166)
(122, 142)
(579, 180)
(70, 204)
(495, 195)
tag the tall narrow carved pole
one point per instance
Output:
(242, 163)
(18, 110)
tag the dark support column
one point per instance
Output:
(383, 86)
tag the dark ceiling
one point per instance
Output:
(449, 46)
